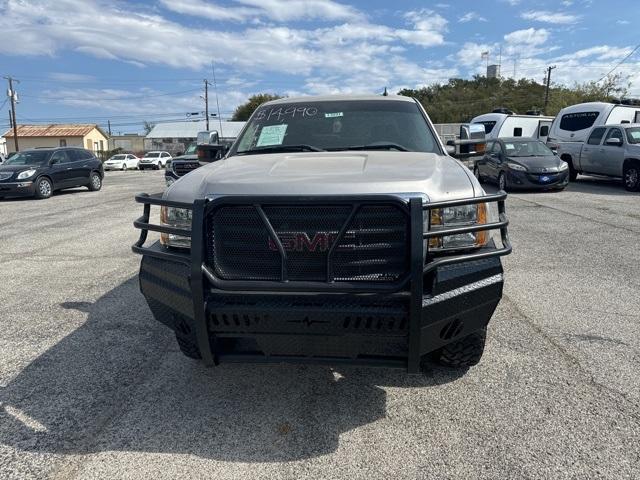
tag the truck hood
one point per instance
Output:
(440, 177)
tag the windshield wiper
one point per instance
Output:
(281, 148)
(375, 146)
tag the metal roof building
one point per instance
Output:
(189, 130)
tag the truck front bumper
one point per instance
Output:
(442, 301)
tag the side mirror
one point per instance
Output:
(450, 149)
(613, 142)
(53, 161)
(472, 131)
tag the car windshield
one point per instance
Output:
(530, 148)
(29, 158)
(152, 155)
(633, 135)
(118, 157)
(191, 149)
(337, 125)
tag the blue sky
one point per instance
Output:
(129, 61)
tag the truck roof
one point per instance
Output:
(341, 98)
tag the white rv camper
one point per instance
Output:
(574, 123)
(500, 125)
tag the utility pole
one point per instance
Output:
(206, 102)
(215, 89)
(109, 126)
(546, 93)
(13, 96)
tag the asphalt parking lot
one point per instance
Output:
(92, 387)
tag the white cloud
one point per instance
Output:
(278, 10)
(529, 37)
(469, 16)
(545, 16)
(623, 22)
(70, 77)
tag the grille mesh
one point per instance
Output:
(181, 169)
(374, 247)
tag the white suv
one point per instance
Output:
(155, 160)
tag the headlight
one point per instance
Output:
(516, 166)
(563, 166)
(26, 174)
(464, 215)
(178, 218)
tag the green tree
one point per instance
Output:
(244, 111)
(460, 100)
(147, 127)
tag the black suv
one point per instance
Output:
(39, 172)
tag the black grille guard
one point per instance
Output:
(421, 260)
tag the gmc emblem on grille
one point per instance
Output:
(302, 242)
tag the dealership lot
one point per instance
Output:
(92, 387)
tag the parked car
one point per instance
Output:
(122, 161)
(612, 150)
(196, 155)
(42, 171)
(336, 230)
(154, 160)
(524, 163)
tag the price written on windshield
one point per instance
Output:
(288, 112)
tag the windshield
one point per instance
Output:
(337, 125)
(531, 148)
(29, 158)
(152, 155)
(633, 135)
(117, 157)
(191, 149)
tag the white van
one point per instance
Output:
(501, 125)
(574, 123)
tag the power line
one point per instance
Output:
(619, 63)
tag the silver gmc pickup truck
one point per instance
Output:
(336, 230)
(612, 150)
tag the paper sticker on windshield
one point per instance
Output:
(333, 115)
(272, 135)
(510, 146)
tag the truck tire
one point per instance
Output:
(573, 173)
(631, 176)
(188, 346)
(465, 352)
(95, 182)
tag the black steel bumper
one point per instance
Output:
(440, 300)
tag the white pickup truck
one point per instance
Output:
(612, 150)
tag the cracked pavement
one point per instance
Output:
(92, 387)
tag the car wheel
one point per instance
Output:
(44, 188)
(502, 182)
(476, 173)
(188, 346)
(463, 353)
(95, 182)
(631, 177)
(124, 167)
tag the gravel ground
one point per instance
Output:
(92, 387)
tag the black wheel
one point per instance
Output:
(476, 173)
(631, 177)
(573, 173)
(502, 182)
(95, 182)
(188, 346)
(124, 167)
(465, 352)
(44, 188)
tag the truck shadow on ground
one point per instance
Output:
(119, 383)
